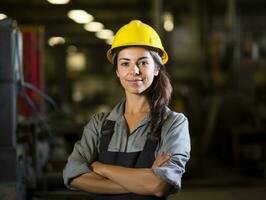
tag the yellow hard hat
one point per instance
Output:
(136, 33)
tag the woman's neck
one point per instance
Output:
(137, 104)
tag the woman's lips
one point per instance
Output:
(134, 81)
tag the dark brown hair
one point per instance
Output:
(159, 94)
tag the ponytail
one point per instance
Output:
(159, 95)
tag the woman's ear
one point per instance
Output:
(156, 72)
(117, 74)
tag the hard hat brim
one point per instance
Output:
(162, 52)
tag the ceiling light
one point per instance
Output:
(105, 34)
(56, 41)
(80, 16)
(58, 1)
(2, 16)
(93, 26)
(72, 49)
(168, 21)
(76, 62)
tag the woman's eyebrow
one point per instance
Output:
(144, 57)
(127, 59)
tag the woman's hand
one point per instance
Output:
(98, 167)
(160, 159)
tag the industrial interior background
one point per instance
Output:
(54, 75)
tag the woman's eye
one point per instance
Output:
(125, 64)
(143, 63)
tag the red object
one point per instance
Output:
(32, 69)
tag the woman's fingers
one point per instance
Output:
(97, 167)
(160, 159)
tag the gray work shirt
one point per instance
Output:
(175, 139)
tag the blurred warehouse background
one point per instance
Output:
(54, 75)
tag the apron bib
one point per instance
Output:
(141, 159)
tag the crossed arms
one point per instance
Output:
(112, 179)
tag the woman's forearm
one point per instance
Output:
(140, 181)
(94, 183)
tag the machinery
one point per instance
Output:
(24, 142)
(10, 54)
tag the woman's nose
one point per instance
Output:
(135, 70)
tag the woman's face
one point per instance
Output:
(135, 69)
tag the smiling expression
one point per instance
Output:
(135, 69)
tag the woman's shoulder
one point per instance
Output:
(97, 119)
(100, 116)
(175, 123)
(175, 117)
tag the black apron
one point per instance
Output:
(141, 159)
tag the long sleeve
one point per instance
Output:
(84, 152)
(175, 140)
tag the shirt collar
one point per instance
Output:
(117, 113)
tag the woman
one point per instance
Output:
(138, 150)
